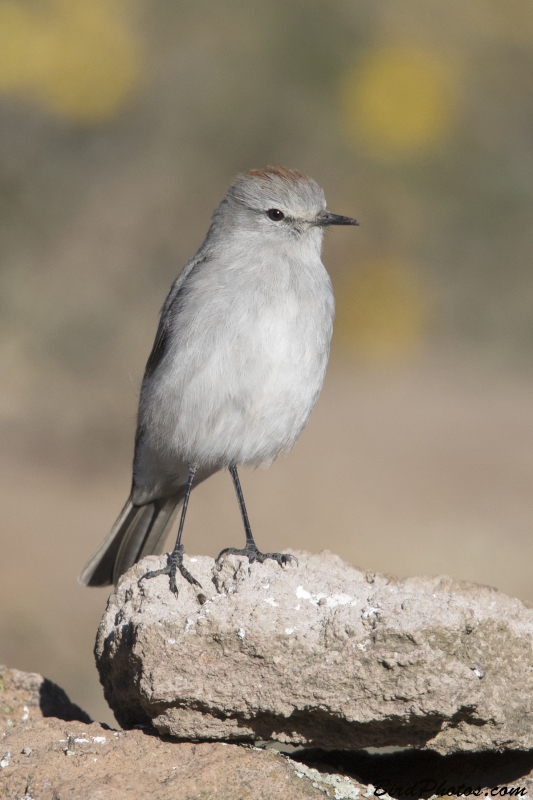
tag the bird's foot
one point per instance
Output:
(174, 563)
(253, 554)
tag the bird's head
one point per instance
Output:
(281, 205)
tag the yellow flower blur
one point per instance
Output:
(397, 102)
(75, 58)
(381, 311)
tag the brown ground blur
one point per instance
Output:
(121, 124)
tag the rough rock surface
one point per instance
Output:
(319, 654)
(49, 759)
(43, 757)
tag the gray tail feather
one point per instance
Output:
(139, 531)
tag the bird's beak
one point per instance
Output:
(326, 218)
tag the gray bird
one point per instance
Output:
(236, 367)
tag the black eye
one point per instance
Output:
(275, 214)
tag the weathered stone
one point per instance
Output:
(47, 759)
(319, 654)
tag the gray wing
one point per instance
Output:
(162, 336)
(163, 331)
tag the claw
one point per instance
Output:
(174, 563)
(253, 554)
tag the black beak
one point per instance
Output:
(326, 218)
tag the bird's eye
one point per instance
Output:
(275, 214)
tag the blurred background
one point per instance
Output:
(121, 124)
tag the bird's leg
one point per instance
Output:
(250, 549)
(175, 558)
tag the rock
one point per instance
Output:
(44, 758)
(27, 695)
(91, 762)
(319, 654)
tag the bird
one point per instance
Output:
(237, 364)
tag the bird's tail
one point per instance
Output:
(139, 531)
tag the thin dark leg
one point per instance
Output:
(250, 549)
(192, 473)
(244, 513)
(175, 558)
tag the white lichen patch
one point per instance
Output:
(271, 602)
(321, 599)
(344, 788)
(98, 739)
(340, 600)
(26, 714)
(5, 760)
(241, 633)
(171, 641)
(303, 594)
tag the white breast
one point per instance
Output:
(246, 364)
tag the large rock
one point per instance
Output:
(48, 759)
(319, 654)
